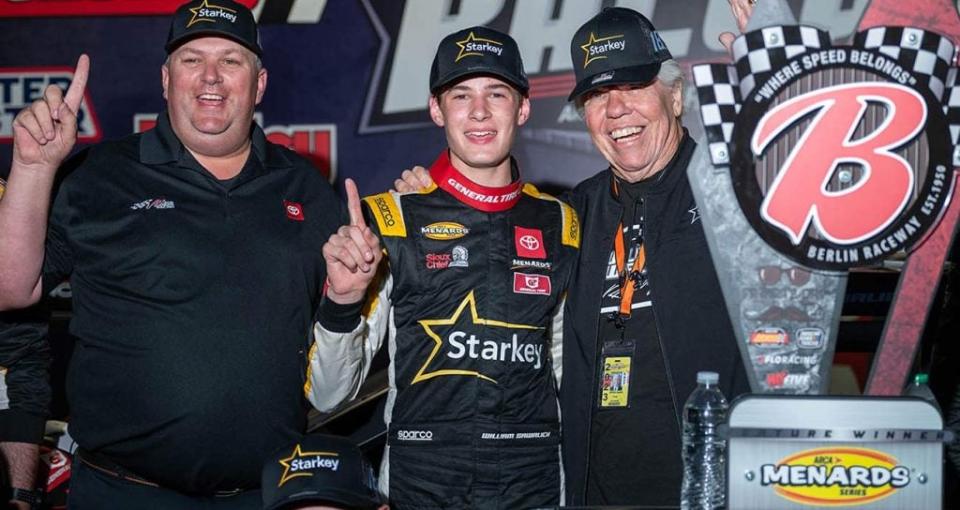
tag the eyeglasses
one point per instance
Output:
(770, 275)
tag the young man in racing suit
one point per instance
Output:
(471, 289)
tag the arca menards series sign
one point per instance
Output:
(840, 156)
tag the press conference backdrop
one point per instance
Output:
(348, 78)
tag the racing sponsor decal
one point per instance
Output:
(529, 243)
(809, 338)
(294, 210)
(437, 260)
(474, 46)
(537, 284)
(414, 435)
(301, 463)
(316, 142)
(210, 13)
(845, 174)
(596, 48)
(444, 231)
(78, 8)
(788, 381)
(21, 86)
(536, 264)
(466, 349)
(840, 476)
(154, 203)
(458, 257)
(769, 336)
(787, 359)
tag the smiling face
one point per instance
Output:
(211, 86)
(635, 127)
(480, 117)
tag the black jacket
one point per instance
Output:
(691, 316)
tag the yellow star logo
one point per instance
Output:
(464, 52)
(298, 454)
(590, 42)
(205, 5)
(428, 324)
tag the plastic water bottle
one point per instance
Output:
(704, 464)
(920, 388)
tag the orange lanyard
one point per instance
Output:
(627, 285)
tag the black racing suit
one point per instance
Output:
(473, 290)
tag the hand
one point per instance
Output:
(742, 9)
(352, 254)
(45, 132)
(412, 180)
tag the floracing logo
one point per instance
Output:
(19, 87)
(840, 476)
(316, 142)
(839, 155)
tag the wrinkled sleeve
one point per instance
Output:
(345, 340)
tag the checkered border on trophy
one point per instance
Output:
(952, 110)
(759, 53)
(927, 55)
(719, 98)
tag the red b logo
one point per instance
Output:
(798, 195)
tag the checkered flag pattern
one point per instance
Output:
(761, 52)
(719, 98)
(927, 55)
(952, 110)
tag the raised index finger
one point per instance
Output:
(353, 204)
(79, 83)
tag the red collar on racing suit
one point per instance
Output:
(479, 197)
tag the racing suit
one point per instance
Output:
(471, 293)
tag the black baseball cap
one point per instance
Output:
(319, 469)
(477, 51)
(615, 47)
(219, 18)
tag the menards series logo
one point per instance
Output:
(836, 476)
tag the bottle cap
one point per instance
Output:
(921, 378)
(707, 377)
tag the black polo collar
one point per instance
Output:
(160, 145)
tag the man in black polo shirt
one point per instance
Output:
(194, 255)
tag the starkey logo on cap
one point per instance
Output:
(209, 13)
(301, 463)
(472, 46)
(596, 48)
